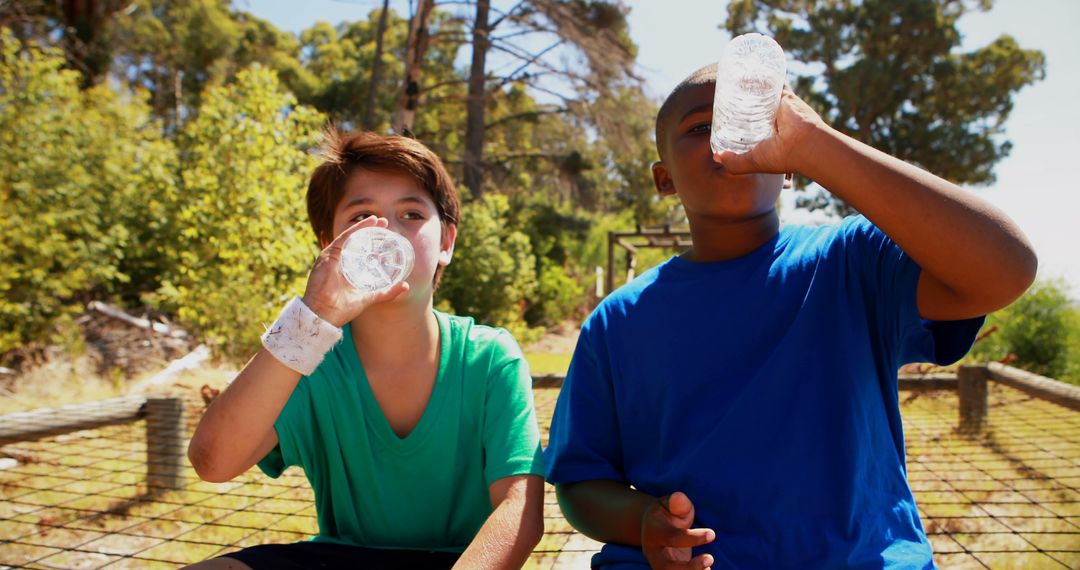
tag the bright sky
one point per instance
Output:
(1035, 185)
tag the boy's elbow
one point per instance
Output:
(205, 463)
(1017, 281)
(532, 530)
(1029, 270)
(527, 499)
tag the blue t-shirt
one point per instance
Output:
(765, 388)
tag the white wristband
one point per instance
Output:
(299, 338)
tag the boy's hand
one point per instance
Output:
(330, 295)
(787, 149)
(666, 536)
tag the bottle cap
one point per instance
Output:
(374, 258)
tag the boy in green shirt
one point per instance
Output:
(416, 429)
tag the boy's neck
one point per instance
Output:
(721, 240)
(390, 331)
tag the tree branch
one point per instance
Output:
(527, 114)
(508, 13)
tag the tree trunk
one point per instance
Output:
(409, 98)
(376, 69)
(475, 106)
(178, 99)
(85, 46)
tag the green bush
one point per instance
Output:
(557, 296)
(244, 244)
(82, 175)
(493, 271)
(553, 230)
(1042, 330)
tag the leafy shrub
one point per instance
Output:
(244, 244)
(494, 269)
(1041, 330)
(82, 176)
(557, 295)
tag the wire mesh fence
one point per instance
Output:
(1008, 497)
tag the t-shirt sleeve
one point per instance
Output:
(511, 435)
(890, 282)
(290, 431)
(584, 442)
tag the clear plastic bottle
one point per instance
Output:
(374, 258)
(750, 79)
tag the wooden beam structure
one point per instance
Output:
(633, 241)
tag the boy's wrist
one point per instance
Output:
(813, 149)
(300, 338)
(324, 311)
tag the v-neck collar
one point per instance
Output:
(373, 414)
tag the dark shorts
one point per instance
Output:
(330, 556)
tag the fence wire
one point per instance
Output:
(1006, 498)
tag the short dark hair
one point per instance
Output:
(704, 76)
(343, 153)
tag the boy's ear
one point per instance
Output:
(789, 180)
(662, 179)
(446, 248)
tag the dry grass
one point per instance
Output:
(57, 383)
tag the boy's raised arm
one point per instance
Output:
(237, 430)
(238, 427)
(974, 259)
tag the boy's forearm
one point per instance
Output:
(972, 248)
(607, 511)
(228, 437)
(511, 532)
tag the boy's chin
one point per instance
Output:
(730, 215)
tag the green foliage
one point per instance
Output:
(627, 120)
(557, 295)
(494, 270)
(1042, 330)
(175, 49)
(81, 175)
(136, 177)
(947, 111)
(179, 182)
(552, 231)
(243, 240)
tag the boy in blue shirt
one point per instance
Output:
(736, 406)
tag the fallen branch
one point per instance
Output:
(135, 321)
(190, 361)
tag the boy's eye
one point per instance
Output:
(361, 216)
(413, 215)
(700, 128)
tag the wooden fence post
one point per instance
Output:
(971, 388)
(165, 431)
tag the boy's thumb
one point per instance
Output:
(735, 163)
(679, 505)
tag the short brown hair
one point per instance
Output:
(343, 153)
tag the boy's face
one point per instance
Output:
(705, 188)
(411, 212)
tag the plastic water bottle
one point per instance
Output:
(749, 81)
(374, 258)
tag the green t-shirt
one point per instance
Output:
(430, 489)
